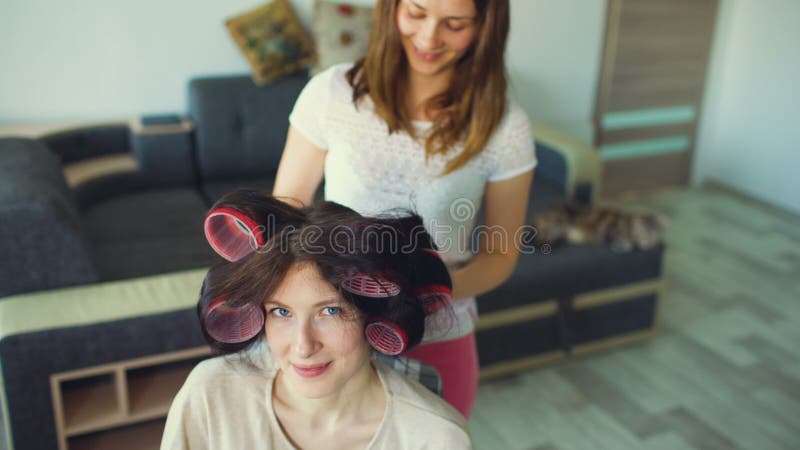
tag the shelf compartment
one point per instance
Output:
(152, 388)
(145, 435)
(90, 403)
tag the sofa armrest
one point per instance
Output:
(573, 164)
(163, 147)
(41, 244)
(51, 332)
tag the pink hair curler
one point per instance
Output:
(233, 324)
(434, 285)
(433, 252)
(232, 233)
(373, 286)
(386, 337)
(434, 297)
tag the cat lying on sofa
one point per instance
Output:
(622, 230)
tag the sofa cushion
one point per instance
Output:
(125, 260)
(43, 246)
(273, 40)
(551, 167)
(31, 160)
(148, 232)
(544, 195)
(73, 145)
(240, 127)
(110, 186)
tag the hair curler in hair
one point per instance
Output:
(233, 234)
(434, 288)
(233, 324)
(373, 286)
(386, 337)
(243, 220)
(226, 319)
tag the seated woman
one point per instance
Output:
(305, 298)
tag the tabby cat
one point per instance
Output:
(622, 230)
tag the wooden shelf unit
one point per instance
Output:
(119, 405)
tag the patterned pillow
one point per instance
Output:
(273, 41)
(341, 32)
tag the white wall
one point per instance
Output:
(104, 59)
(112, 59)
(750, 128)
(99, 59)
(554, 57)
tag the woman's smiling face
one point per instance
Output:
(316, 338)
(436, 33)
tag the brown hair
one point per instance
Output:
(469, 111)
(338, 242)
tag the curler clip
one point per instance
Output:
(386, 337)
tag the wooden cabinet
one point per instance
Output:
(650, 91)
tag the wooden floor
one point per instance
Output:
(722, 373)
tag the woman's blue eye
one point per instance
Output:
(280, 312)
(332, 310)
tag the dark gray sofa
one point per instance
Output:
(107, 269)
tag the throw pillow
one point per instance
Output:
(273, 40)
(341, 32)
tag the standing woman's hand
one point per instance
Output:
(300, 171)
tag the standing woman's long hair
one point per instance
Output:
(469, 111)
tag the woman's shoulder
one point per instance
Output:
(514, 117)
(339, 70)
(216, 390)
(413, 403)
(334, 78)
(216, 372)
(514, 130)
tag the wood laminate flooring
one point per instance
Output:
(723, 372)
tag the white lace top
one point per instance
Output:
(372, 172)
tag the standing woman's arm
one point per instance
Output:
(505, 206)
(300, 171)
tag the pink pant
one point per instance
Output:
(457, 363)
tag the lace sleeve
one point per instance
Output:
(515, 153)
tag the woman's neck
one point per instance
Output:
(360, 395)
(422, 88)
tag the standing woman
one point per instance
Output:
(424, 122)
